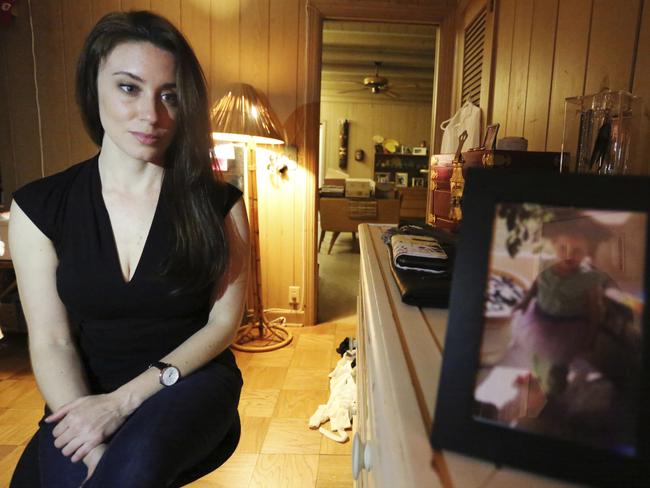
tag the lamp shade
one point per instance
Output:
(243, 114)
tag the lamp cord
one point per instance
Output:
(38, 105)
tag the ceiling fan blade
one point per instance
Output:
(341, 92)
(407, 85)
(390, 94)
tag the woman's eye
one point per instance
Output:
(170, 98)
(128, 88)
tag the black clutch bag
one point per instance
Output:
(427, 289)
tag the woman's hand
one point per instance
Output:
(92, 460)
(85, 423)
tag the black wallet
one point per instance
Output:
(426, 289)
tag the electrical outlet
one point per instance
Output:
(294, 294)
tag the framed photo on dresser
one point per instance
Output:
(546, 362)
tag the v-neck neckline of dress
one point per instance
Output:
(116, 254)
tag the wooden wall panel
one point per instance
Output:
(254, 44)
(612, 45)
(21, 95)
(284, 21)
(505, 15)
(170, 9)
(77, 23)
(52, 92)
(102, 7)
(195, 24)
(519, 68)
(641, 86)
(547, 51)
(127, 5)
(540, 73)
(283, 59)
(7, 159)
(225, 42)
(569, 65)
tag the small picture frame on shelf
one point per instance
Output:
(381, 177)
(521, 377)
(490, 139)
(417, 181)
(401, 180)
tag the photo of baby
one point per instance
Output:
(561, 346)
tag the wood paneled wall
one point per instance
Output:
(408, 123)
(261, 42)
(547, 50)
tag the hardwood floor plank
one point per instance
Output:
(278, 358)
(311, 358)
(257, 402)
(330, 447)
(334, 472)
(306, 379)
(18, 435)
(264, 377)
(291, 436)
(237, 471)
(253, 432)
(8, 463)
(315, 341)
(299, 404)
(285, 470)
(22, 416)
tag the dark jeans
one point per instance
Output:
(178, 435)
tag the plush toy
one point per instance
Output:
(6, 11)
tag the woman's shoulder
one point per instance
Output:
(56, 183)
(43, 200)
(227, 195)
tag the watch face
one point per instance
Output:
(169, 375)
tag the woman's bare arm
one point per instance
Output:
(55, 360)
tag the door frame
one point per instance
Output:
(442, 14)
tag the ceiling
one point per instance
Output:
(351, 49)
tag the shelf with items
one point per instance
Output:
(405, 170)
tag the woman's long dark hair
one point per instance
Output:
(189, 185)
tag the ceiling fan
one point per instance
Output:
(376, 83)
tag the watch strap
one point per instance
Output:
(160, 365)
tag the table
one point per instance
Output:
(399, 357)
(345, 214)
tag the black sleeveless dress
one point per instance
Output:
(120, 327)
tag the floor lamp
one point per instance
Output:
(243, 115)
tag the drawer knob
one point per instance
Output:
(361, 456)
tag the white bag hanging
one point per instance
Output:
(468, 118)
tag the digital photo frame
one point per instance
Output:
(546, 358)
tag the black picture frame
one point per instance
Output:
(457, 426)
(490, 139)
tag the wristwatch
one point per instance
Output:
(168, 374)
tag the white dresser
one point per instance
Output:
(399, 358)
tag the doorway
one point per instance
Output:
(411, 12)
(379, 78)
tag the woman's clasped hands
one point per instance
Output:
(85, 424)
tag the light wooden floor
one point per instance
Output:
(281, 391)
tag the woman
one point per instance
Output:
(132, 270)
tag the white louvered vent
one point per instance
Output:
(473, 59)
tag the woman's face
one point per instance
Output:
(570, 251)
(138, 104)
